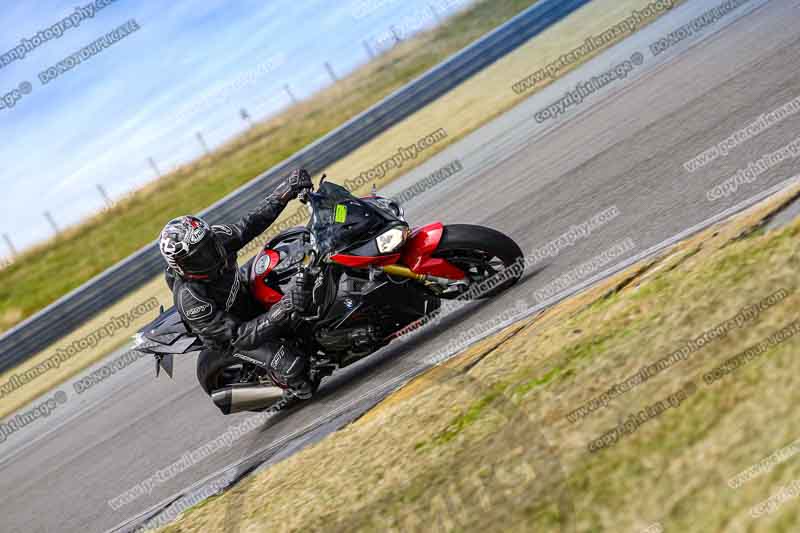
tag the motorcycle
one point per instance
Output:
(375, 278)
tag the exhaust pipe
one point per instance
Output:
(243, 397)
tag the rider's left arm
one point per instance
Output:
(254, 223)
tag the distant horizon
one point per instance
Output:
(99, 102)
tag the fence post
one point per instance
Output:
(103, 193)
(154, 166)
(10, 244)
(331, 73)
(290, 93)
(203, 143)
(396, 36)
(368, 48)
(435, 14)
(246, 117)
(52, 222)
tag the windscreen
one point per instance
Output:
(341, 220)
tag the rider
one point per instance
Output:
(211, 294)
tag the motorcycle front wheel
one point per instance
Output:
(491, 259)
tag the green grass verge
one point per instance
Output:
(47, 272)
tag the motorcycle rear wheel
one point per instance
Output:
(215, 371)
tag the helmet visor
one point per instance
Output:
(205, 259)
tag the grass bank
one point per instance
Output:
(484, 442)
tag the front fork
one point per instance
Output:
(443, 284)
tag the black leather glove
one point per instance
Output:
(297, 181)
(303, 285)
(281, 313)
(296, 300)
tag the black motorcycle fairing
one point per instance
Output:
(168, 334)
(370, 247)
(286, 235)
(181, 346)
(386, 204)
(291, 249)
(168, 322)
(342, 221)
(364, 314)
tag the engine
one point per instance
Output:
(355, 341)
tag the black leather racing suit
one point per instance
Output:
(224, 314)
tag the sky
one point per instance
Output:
(190, 67)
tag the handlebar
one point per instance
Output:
(303, 195)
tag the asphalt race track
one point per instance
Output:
(623, 146)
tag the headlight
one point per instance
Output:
(262, 264)
(391, 240)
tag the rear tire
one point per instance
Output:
(212, 370)
(482, 253)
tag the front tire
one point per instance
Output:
(491, 259)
